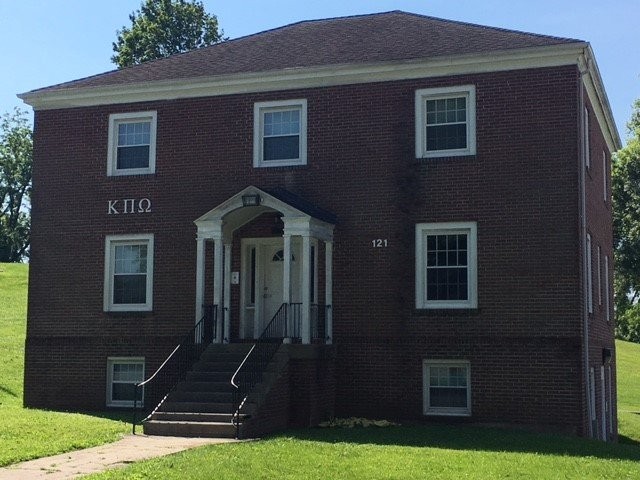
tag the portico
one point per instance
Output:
(273, 268)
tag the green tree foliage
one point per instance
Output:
(162, 28)
(16, 151)
(626, 227)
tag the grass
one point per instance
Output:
(28, 433)
(628, 358)
(435, 452)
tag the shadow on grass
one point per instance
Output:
(8, 391)
(471, 438)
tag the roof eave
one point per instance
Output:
(307, 77)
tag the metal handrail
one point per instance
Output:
(244, 380)
(198, 339)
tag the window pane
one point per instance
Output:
(448, 397)
(446, 137)
(281, 148)
(130, 134)
(130, 259)
(129, 289)
(133, 157)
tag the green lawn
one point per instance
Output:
(430, 452)
(28, 433)
(628, 357)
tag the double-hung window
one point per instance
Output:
(132, 143)
(446, 387)
(128, 273)
(122, 375)
(446, 265)
(280, 133)
(445, 121)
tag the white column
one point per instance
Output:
(328, 290)
(199, 277)
(217, 285)
(227, 292)
(286, 279)
(306, 290)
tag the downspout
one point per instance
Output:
(584, 69)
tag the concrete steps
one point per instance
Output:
(202, 405)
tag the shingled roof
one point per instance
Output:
(362, 39)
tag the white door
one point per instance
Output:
(272, 282)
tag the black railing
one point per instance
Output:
(174, 369)
(317, 318)
(252, 367)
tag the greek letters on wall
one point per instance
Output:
(128, 205)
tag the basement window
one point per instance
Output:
(122, 375)
(446, 387)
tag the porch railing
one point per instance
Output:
(174, 369)
(318, 320)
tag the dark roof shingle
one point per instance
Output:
(382, 37)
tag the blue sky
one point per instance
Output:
(44, 42)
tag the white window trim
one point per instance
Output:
(607, 298)
(604, 176)
(472, 264)
(589, 275)
(259, 108)
(109, 265)
(452, 411)
(114, 120)
(585, 138)
(422, 95)
(599, 277)
(110, 362)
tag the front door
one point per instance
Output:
(262, 282)
(272, 282)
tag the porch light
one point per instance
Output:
(251, 200)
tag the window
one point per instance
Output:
(122, 375)
(280, 133)
(128, 273)
(132, 143)
(585, 139)
(599, 277)
(447, 388)
(607, 314)
(589, 276)
(604, 176)
(446, 121)
(446, 267)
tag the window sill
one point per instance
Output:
(449, 158)
(449, 312)
(130, 314)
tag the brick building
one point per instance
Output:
(419, 209)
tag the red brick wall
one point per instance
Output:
(521, 188)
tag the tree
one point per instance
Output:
(16, 152)
(162, 28)
(626, 232)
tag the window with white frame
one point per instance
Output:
(446, 265)
(585, 139)
(605, 193)
(599, 277)
(607, 299)
(122, 375)
(445, 121)
(589, 276)
(128, 273)
(132, 143)
(446, 387)
(280, 133)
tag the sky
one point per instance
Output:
(45, 42)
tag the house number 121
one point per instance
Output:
(379, 243)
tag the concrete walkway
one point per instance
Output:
(131, 448)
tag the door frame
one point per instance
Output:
(260, 244)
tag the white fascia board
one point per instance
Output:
(598, 97)
(313, 77)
